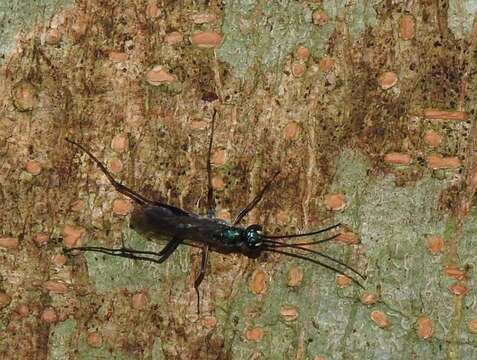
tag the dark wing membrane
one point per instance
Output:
(175, 210)
(157, 221)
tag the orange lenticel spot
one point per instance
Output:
(117, 56)
(152, 9)
(139, 301)
(122, 207)
(298, 69)
(159, 76)
(433, 138)
(436, 162)
(24, 96)
(472, 326)
(41, 239)
(95, 339)
(254, 334)
(209, 322)
(203, 18)
(206, 39)
(218, 157)
(52, 37)
(343, 281)
(291, 130)
(387, 80)
(23, 310)
(380, 319)
(435, 244)
(302, 53)
(33, 167)
(218, 183)
(120, 143)
(445, 115)
(5, 299)
(115, 165)
(198, 124)
(397, 158)
(458, 289)
(319, 17)
(173, 38)
(289, 313)
(224, 214)
(326, 64)
(295, 276)
(454, 272)
(10, 243)
(72, 235)
(257, 283)
(424, 327)
(58, 259)
(407, 27)
(347, 238)
(49, 315)
(55, 287)
(335, 201)
(369, 298)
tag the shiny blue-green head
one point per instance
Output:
(247, 241)
(253, 236)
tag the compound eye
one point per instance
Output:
(254, 236)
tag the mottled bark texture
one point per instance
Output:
(340, 96)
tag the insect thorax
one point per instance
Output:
(231, 235)
(243, 240)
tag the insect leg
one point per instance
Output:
(255, 200)
(210, 190)
(157, 257)
(200, 277)
(120, 252)
(141, 200)
(169, 249)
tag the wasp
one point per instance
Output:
(156, 220)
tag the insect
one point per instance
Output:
(154, 219)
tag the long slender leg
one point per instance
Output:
(156, 257)
(210, 190)
(169, 249)
(138, 198)
(164, 253)
(200, 277)
(255, 200)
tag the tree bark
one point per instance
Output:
(372, 100)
